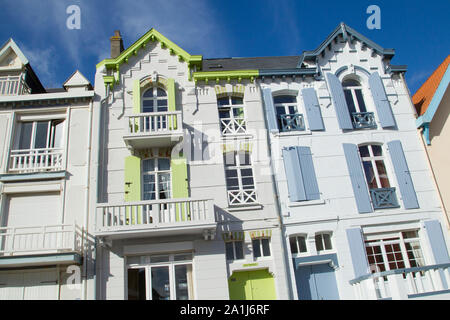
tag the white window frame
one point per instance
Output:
(321, 235)
(155, 99)
(373, 160)
(296, 236)
(238, 167)
(233, 243)
(171, 263)
(395, 238)
(260, 245)
(51, 131)
(156, 173)
(352, 90)
(233, 120)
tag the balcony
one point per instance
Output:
(241, 197)
(292, 122)
(428, 282)
(363, 120)
(155, 218)
(155, 129)
(12, 86)
(384, 198)
(40, 245)
(36, 160)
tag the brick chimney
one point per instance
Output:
(116, 44)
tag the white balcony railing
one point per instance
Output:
(230, 126)
(154, 214)
(242, 197)
(154, 122)
(404, 284)
(10, 86)
(36, 160)
(40, 239)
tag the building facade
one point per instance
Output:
(44, 147)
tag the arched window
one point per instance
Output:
(156, 179)
(288, 116)
(354, 96)
(231, 115)
(154, 99)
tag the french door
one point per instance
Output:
(160, 281)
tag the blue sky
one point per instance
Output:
(418, 31)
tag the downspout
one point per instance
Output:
(278, 209)
(86, 211)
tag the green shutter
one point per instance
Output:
(136, 96)
(132, 182)
(180, 183)
(171, 97)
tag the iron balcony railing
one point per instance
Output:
(292, 122)
(40, 239)
(11, 86)
(404, 284)
(383, 198)
(154, 214)
(36, 160)
(363, 120)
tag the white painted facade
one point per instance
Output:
(44, 149)
(336, 210)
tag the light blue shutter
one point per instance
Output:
(437, 241)
(270, 110)
(340, 104)
(294, 174)
(358, 178)
(358, 252)
(300, 174)
(312, 108)
(308, 173)
(384, 109)
(403, 176)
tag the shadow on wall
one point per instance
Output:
(196, 146)
(440, 117)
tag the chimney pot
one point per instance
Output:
(116, 44)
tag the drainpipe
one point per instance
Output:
(86, 215)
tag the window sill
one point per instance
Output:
(291, 133)
(244, 207)
(236, 135)
(306, 203)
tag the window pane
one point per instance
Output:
(280, 111)
(161, 103)
(370, 175)
(319, 242)
(223, 101)
(265, 247)
(364, 151)
(284, 99)
(157, 259)
(229, 250)
(148, 165)
(359, 97)
(25, 135)
(244, 158)
(382, 173)
(247, 183)
(377, 150)
(163, 164)
(160, 283)
(136, 284)
(57, 133)
(350, 102)
(236, 100)
(183, 257)
(302, 244)
(256, 248)
(293, 243)
(327, 241)
(239, 249)
(40, 141)
(238, 112)
(229, 158)
(410, 234)
(164, 186)
(232, 184)
(183, 282)
(161, 92)
(350, 83)
(148, 93)
(292, 109)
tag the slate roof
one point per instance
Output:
(256, 63)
